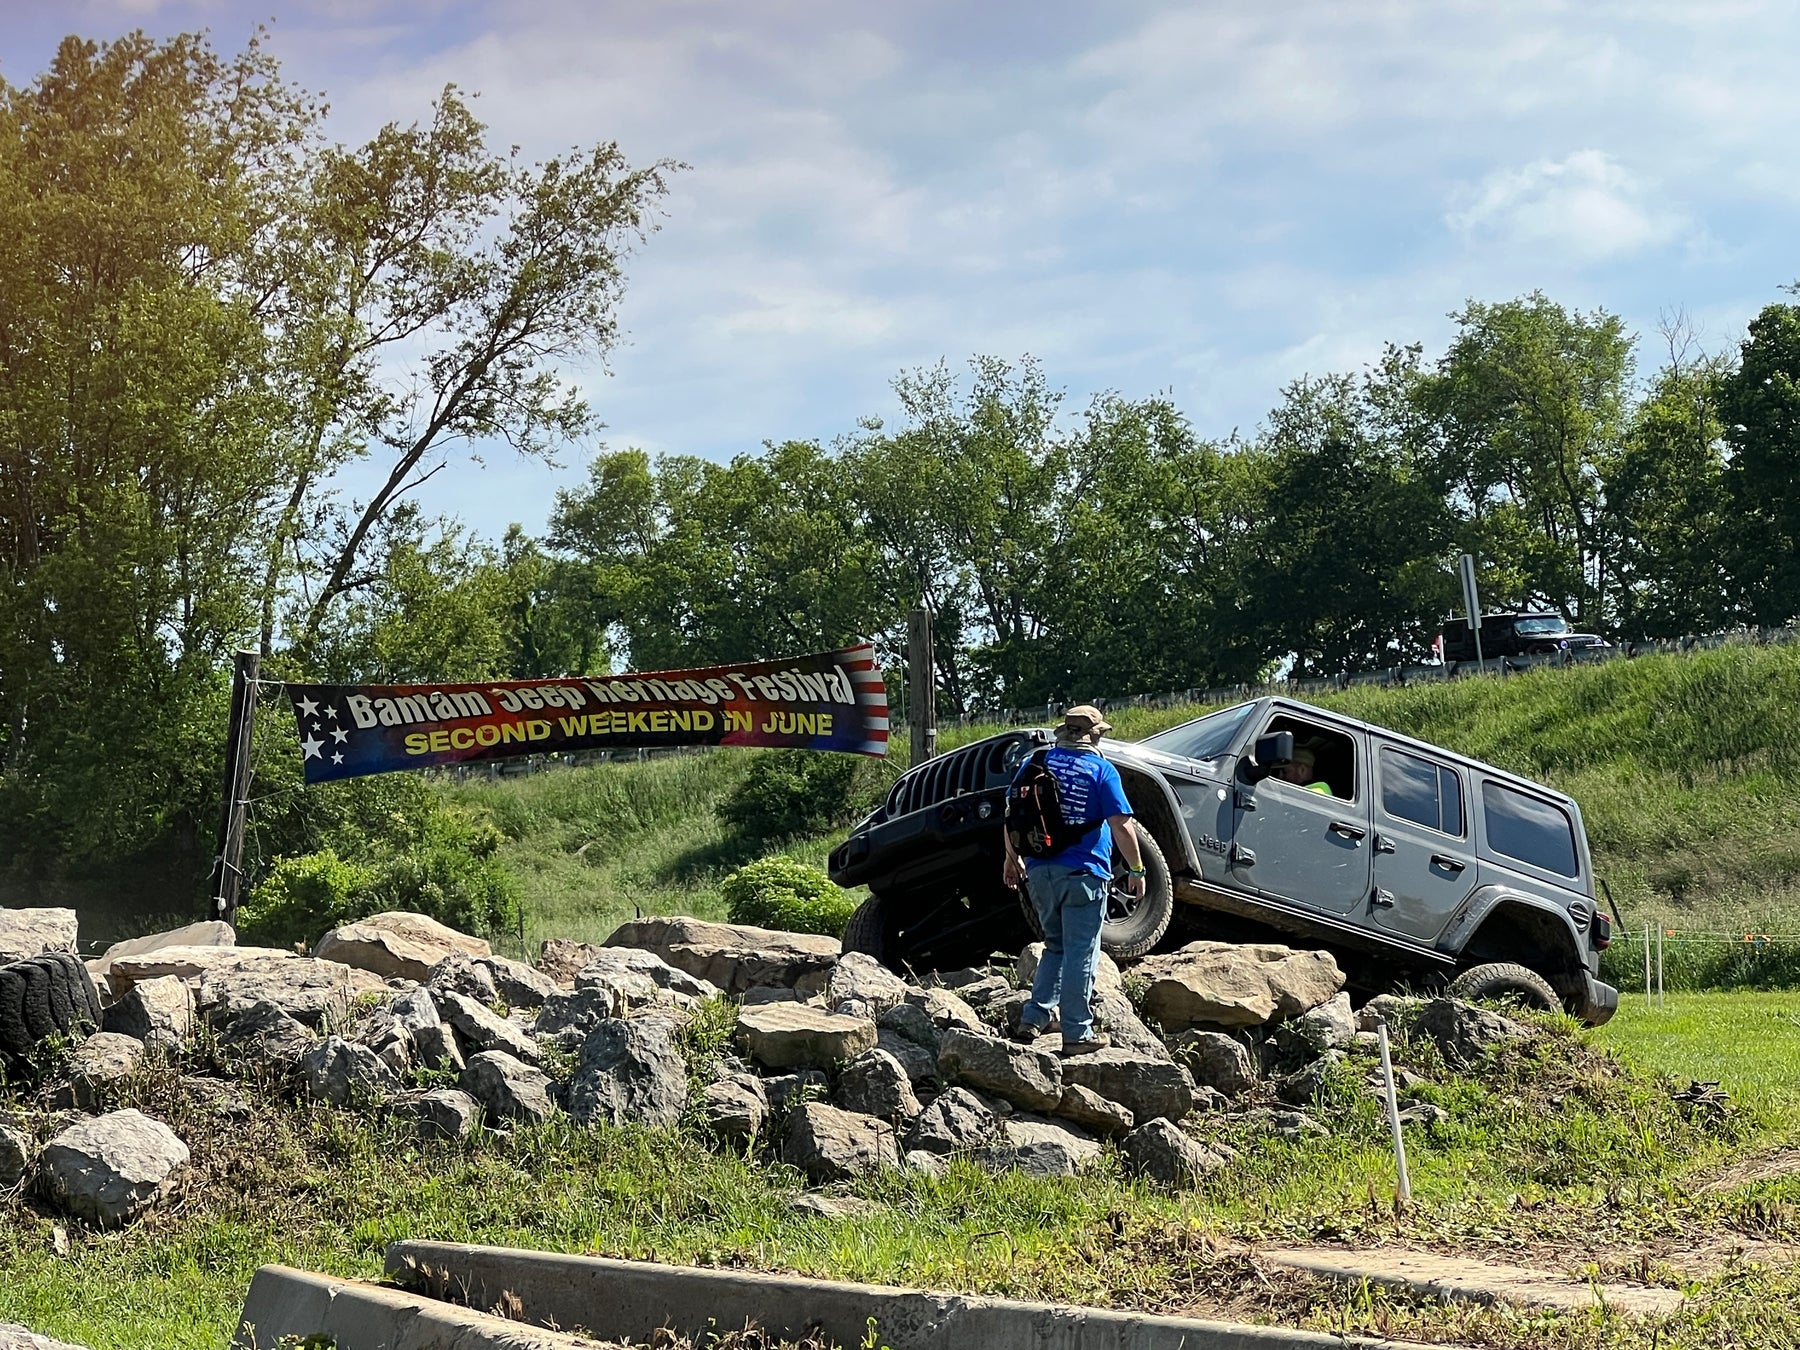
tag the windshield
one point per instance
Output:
(1205, 738)
(1545, 626)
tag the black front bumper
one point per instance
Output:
(936, 845)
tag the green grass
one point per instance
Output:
(1555, 1156)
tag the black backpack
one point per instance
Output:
(1034, 818)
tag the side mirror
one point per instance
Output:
(1271, 753)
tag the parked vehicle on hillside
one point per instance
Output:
(1506, 634)
(1420, 866)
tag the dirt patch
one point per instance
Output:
(1748, 1171)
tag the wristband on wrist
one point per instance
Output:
(1136, 871)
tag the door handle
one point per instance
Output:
(1241, 856)
(1382, 843)
(1382, 899)
(1352, 832)
(1448, 863)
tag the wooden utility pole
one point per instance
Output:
(921, 684)
(227, 869)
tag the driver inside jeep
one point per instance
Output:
(1299, 771)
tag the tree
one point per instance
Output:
(1525, 412)
(1668, 509)
(1760, 407)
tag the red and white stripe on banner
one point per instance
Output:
(871, 695)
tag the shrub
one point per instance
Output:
(446, 866)
(790, 793)
(783, 893)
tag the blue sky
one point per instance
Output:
(1207, 200)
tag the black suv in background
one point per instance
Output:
(1507, 634)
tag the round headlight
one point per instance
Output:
(1013, 756)
(984, 809)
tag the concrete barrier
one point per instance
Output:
(630, 1300)
(357, 1316)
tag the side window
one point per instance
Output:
(1324, 760)
(1418, 790)
(1530, 830)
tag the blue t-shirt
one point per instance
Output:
(1090, 790)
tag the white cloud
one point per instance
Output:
(1583, 208)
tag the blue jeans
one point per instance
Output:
(1071, 906)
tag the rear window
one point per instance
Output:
(1532, 831)
(1415, 789)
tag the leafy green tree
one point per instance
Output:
(1524, 414)
(1760, 407)
(1668, 506)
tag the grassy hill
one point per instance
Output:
(1687, 769)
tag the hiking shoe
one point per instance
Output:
(1025, 1033)
(1098, 1041)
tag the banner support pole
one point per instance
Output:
(227, 869)
(921, 680)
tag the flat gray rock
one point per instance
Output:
(832, 1145)
(1159, 1150)
(875, 1084)
(1226, 984)
(734, 957)
(958, 1120)
(481, 1028)
(442, 1113)
(800, 1036)
(1144, 1086)
(159, 1012)
(344, 1073)
(306, 989)
(397, 945)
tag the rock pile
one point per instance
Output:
(832, 1063)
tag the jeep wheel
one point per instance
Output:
(1133, 925)
(1505, 982)
(866, 929)
(914, 932)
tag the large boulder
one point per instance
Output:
(958, 1120)
(264, 1036)
(16, 1337)
(25, 933)
(1146, 1087)
(1159, 1150)
(640, 979)
(18, 1151)
(946, 1009)
(875, 1084)
(305, 988)
(1041, 1148)
(630, 1071)
(518, 985)
(208, 933)
(735, 1106)
(508, 1088)
(1091, 1111)
(1106, 974)
(158, 1012)
(344, 1073)
(442, 1113)
(99, 1067)
(186, 962)
(858, 985)
(1216, 1060)
(919, 1063)
(1019, 1074)
(735, 957)
(483, 1029)
(1331, 1024)
(397, 945)
(566, 1018)
(109, 1170)
(1224, 984)
(800, 1036)
(832, 1145)
(1464, 1032)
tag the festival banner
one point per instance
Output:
(825, 701)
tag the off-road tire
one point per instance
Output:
(866, 929)
(1505, 982)
(1128, 938)
(45, 996)
(1131, 937)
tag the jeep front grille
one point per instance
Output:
(973, 768)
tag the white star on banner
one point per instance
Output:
(337, 759)
(312, 748)
(307, 707)
(339, 735)
(331, 712)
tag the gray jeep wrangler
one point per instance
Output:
(1413, 865)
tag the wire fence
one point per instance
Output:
(1665, 957)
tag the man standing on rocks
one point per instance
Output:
(1068, 889)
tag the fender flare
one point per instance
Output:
(1162, 810)
(1488, 900)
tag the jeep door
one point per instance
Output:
(1297, 844)
(1424, 850)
